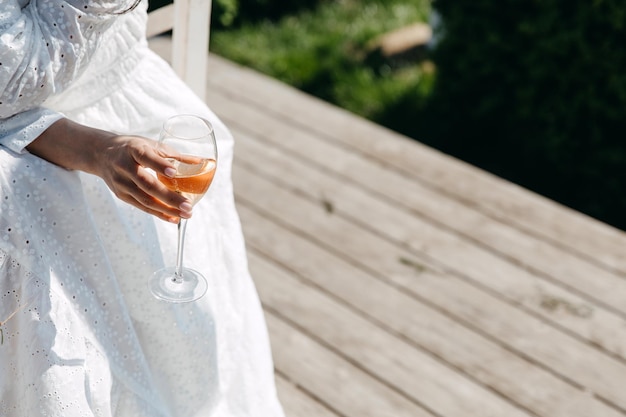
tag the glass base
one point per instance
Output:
(165, 286)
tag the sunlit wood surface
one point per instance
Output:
(398, 281)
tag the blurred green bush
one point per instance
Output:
(326, 51)
(534, 91)
(230, 12)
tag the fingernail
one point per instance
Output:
(185, 215)
(186, 206)
(169, 171)
(173, 220)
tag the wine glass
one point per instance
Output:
(189, 142)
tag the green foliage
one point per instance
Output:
(535, 91)
(255, 10)
(224, 12)
(326, 52)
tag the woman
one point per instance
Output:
(83, 225)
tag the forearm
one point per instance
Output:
(123, 162)
(71, 145)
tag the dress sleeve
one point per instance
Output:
(18, 131)
(44, 46)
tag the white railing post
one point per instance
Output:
(190, 42)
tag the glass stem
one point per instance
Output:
(182, 227)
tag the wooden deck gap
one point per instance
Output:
(508, 221)
(491, 249)
(589, 269)
(383, 326)
(259, 219)
(542, 310)
(343, 377)
(282, 94)
(539, 363)
(308, 393)
(438, 265)
(417, 297)
(350, 360)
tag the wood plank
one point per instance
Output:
(411, 371)
(481, 358)
(541, 259)
(570, 311)
(528, 336)
(499, 199)
(297, 403)
(344, 387)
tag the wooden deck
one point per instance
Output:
(398, 281)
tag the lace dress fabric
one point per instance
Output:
(81, 334)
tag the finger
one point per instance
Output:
(146, 191)
(151, 203)
(158, 214)
(167, 151)
(150, 185)
(147, 204)
(148, 156)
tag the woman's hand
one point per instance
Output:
(124, 167)
(123, 162)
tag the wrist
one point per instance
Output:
(71, 145)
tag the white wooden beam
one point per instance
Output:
(190, 42)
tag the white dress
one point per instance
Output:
(80, 333)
